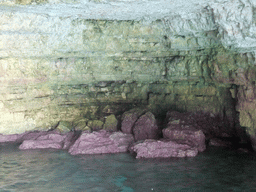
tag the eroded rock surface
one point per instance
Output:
(101, 142)
(146, 128)
(45, 140)
(8, 138)
(194, 137)
(129, 118)
(110, 123)
(162, 148)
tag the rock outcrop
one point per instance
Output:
(194, 137)
(192, 56)
(146, 127)
(46, 140)
(101, 142)
(129, 118)
(162, 148)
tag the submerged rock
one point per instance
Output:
(162, 148)
(146, 128)
(101, 142)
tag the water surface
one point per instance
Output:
(216, 169)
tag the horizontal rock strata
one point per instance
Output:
(60, 60)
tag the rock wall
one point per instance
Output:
(60, 60)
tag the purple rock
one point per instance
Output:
(101, 142)
(32, 135)
(43, 140)
(129, 118)
(40, 144)
(162, 148)
(146, 127)
(54, 137)
(188, 134)
(8, 138)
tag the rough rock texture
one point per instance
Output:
(45, 140)
(110, 123)
(8, 138)
(95, 125)
(146, 127)
(80, 124)
(162, 148)
(129, 118)
(195, 137)
(65, 59)
(101, 142)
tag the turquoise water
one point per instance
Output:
(216, 169)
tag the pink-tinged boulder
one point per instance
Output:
(40, 144)
(101, 142)
(146, 127)
(52, 136)
(9, 138)
(129, 118)
(189, 134)
(49, 140)
(208, 123)
(32, 135)
(162, 148)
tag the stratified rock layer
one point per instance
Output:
(66, 59)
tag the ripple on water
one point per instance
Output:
(217, 169)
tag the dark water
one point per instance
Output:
(217, 169)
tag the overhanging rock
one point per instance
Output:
(60, 60)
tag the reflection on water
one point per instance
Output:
(216, 169)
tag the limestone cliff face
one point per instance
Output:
(63, 59)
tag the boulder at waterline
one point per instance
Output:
(40, 144)
(33, 135)
(129, 118)
(151, 148)
(8, 138)
(146, 127)
(195, 137)
(209, 124)
(101, 142)
(50, 139)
